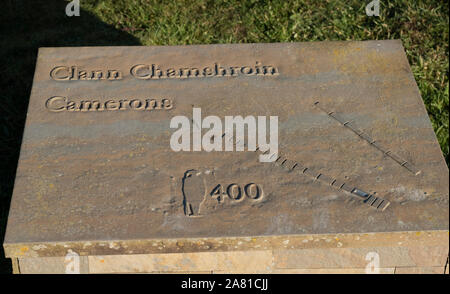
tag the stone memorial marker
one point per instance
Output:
(358, 183)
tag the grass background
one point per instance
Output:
(423, 27)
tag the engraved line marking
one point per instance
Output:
(371, 200)
(381, 203)
(358, 132)
(377, 202)
(367, 138)
(355, 192)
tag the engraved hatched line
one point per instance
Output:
(349, 124)
(290, 165)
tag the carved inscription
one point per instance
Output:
(203, 195)
(74, 73)
(60, 103)
(236, 192)
(154, 71)
(65, 73)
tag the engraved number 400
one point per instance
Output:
(236, 192)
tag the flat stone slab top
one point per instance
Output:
(358, 161)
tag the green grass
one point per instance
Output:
(423, 26)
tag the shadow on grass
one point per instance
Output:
(25, 26)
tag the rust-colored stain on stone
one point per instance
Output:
(97, 175)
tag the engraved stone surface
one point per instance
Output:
(357, 155)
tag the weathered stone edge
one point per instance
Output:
(180, 245)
